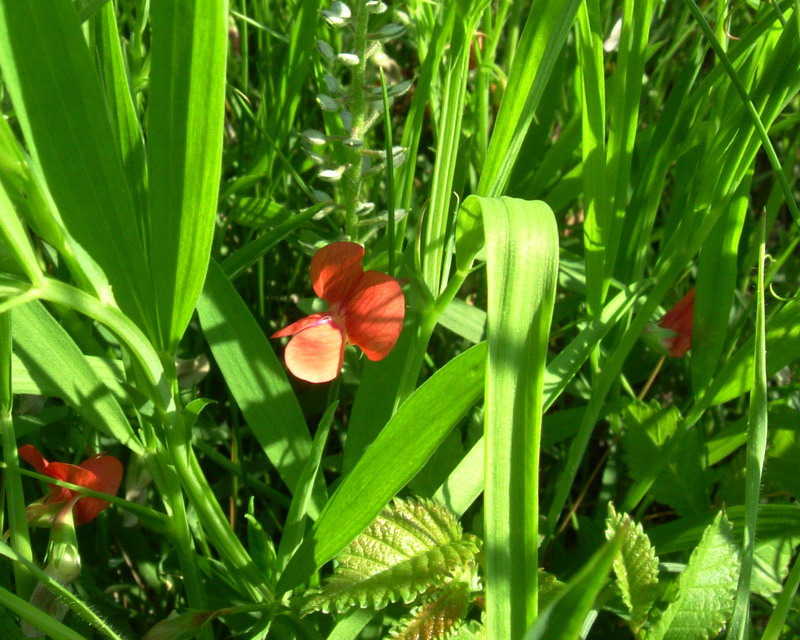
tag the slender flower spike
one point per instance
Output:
(100, 473)
(679, 321)
(365, 309)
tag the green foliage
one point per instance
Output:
(706, 588)
(412, 547)
(439, 615)
(684, 484)
(636, 566)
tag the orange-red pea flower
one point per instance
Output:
(99, 473)
(365, 308)
(679, 320)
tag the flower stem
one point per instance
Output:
(351, 179)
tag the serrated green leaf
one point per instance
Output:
(684, 484)
(706, 589)
(411, 547)
(437, 617)
(636, 566)
(472, 631)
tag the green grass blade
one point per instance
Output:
(624, 119)
(43, 622)
(122, 111)
(294, 525)
(521, 268)
(255, 376)
(49, 353)
(392, 460)
(184, 153)
(465, 483)
(545, 32)
(774, 628)
(249, 254)
(750, 108)
(716, 286)
(13, 496)
(563, 618)
(62, 111)
(756, 451)
(65, 595)
(593, 120)
(439, 219)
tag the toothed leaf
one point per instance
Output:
(706, 588)
(636, 567)
(436, 618)
(471, 631)
(412, 547)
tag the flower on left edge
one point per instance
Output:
(365, 308)
(99, 473)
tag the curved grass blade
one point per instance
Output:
(522, 270)
(62, 111)
(50, 354)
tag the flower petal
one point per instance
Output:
(373, 316)
(679, 319)
(336, 270)
(300, 325)
(31, 455)
(315, 354)
(100, 473)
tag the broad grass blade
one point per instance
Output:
(62, 111)
(184, 152)
(521, 269)
(255, 376)
(49, 353)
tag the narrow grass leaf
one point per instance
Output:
(122, 111)
(775, 627)
(13, 496)
(596, 203)
(236, 264)
(52, 627)
(403, 447)
(184, 153)
(521, 269)
(62, 111)
(50, 354)
(563, 618)
(545, 32)
(716, 285)
(255, 376)
(294, 525)
(77, 606)
(756, 451)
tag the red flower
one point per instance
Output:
(679, 320)
(100, 473)
(365, 309)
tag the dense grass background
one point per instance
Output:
(545, 178)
